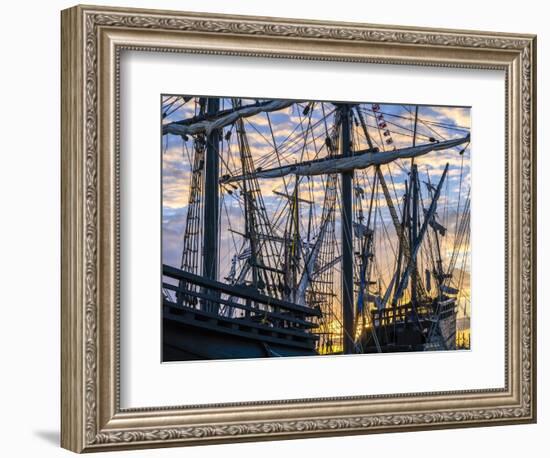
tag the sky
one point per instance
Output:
(298, 133)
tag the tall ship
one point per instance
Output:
(313, 228)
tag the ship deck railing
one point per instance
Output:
(406, 312)
(235, 302)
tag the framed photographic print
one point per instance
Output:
(278, 228)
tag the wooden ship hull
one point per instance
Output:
(197, 328)
(193, 336)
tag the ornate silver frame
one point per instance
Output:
(92, 39)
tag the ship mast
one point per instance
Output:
(211, 201)
(413, 234)
(348, 318)
(419, 237)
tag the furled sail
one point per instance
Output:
(448, 289)
(224, 119)
(341, 164)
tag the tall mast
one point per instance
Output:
(415, 216)
(420, 236)
(296, 239)
(414, 232)
(347, 235)
(403, 242)
(211, 199)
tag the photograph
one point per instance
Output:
(313, 228)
